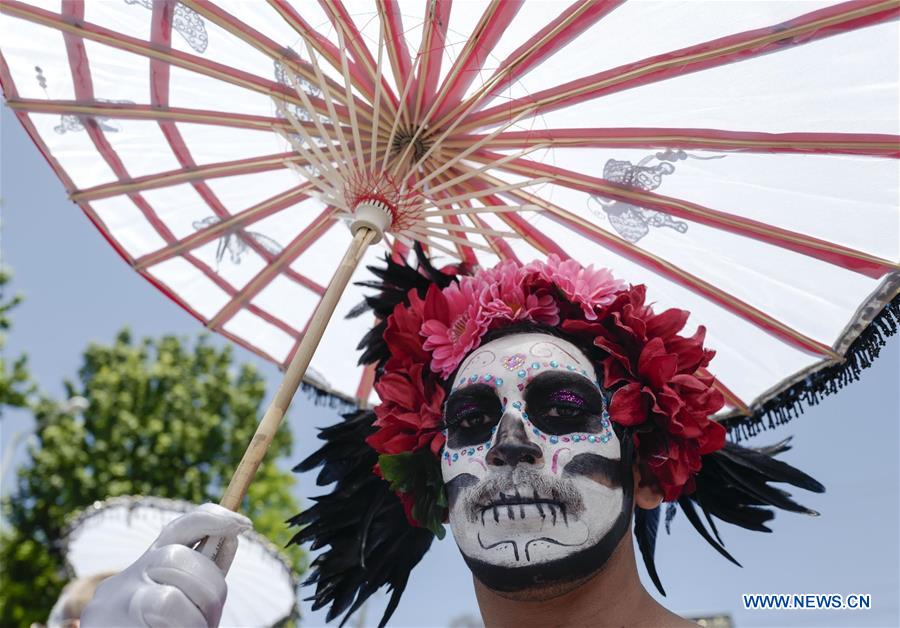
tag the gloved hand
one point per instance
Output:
(171, 584)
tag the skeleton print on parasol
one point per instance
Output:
(728, 164)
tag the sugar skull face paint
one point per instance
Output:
(532, 465)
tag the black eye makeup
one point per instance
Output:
(561, 403)
(469, 415)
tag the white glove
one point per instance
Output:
(171, 584)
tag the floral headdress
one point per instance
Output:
(661, 401)
(654, 373)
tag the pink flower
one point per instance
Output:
(453, 324)
(505, 297)
(590, 288)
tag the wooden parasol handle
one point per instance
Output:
(271, 420)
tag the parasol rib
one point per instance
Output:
(231, 292)
(398, 53)
(291, 252)
(341, 19)
(733, 400)
(83, 85)
(680, 276)
(251, 165)
(93, 32)
(215, 231)
(801, 30)
(431, 48)
(836, 254)
(128, 111)
(869, 144)
(493, 23)
(161, 32)
(279, 53)
(500, 247)
(577, 18)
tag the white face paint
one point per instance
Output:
(532, 465)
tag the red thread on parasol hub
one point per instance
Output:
(383, 190)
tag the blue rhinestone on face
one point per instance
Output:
(473, 379)
(498, 382)
(493, 429)
(554, 440)
(536, 431)
(570, 367)
(524, 415)
(592, 439)
(517, 405)
(522, 373)
(535, 365)
(455, 457)
(554, 363)
(471, 451)
(488, 378)
(576, 438)
(605, 438)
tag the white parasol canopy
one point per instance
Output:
(737, 157)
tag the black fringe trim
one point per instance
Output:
(792, 401)
(327, 398)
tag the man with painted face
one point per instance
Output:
(544, 411)
(542, 516)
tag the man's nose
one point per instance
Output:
(513, 446)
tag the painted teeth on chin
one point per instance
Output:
(540, 509)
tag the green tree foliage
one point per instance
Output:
(15, 381)
(152, 418)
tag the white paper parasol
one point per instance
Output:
(737, 157)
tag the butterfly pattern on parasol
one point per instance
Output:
(186, 23)
(71, 123)
(631, 221)
(235, 243)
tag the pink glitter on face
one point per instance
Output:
(512, 362)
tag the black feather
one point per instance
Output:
(395, 280)
(646, 524)
(687, 505)
(733, 486)
(362, 524)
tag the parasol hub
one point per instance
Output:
(372, 213)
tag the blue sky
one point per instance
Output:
(79, 290)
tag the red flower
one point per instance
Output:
(402, 334)
(409, 415)
(673, 461)
(662, 387)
